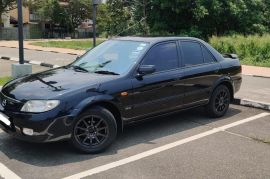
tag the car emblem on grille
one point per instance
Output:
(4, 103)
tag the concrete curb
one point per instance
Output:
(42, 50)
(30, 62)
(251, 103)
(256, 76)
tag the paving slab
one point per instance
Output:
(258, 130)
(221, 155)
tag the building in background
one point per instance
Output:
(9, 30)
(35, 28)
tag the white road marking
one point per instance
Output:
(162, 148)
(6, 173)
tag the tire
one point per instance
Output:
(94, 130)
(219, 102)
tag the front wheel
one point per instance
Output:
(219, 102)
(94, 130)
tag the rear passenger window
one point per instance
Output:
(192, 53)
(163, 56)
(208, 58)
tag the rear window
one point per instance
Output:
(192, 53)
(208, 58)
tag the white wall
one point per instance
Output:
(6, 19)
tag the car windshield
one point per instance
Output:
(112, 57)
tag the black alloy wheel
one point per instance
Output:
(94, 130)
(222, 100)
(91, 130)
(219, 102)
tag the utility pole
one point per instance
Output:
(95, 4)
(21, 69)
(20, 32)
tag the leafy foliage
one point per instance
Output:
(78, 10)
(6, 5)
(252, 49)
(200, 18)
(70, 15)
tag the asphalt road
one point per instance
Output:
(47, 57)
(234, 146)
(256, 88)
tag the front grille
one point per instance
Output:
(10, 104)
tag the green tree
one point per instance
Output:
(103, 19)
(70, 15)
(139, 10)
(78, 10)
(119, 18)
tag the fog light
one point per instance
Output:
(27, 131)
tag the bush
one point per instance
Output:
(252, 50)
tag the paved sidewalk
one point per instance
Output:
(14, 44)
(256, 71)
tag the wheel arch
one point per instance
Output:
(110, 106)
(228, 83)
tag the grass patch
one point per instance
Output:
(252, 50)
(4, 80)
(72, 44)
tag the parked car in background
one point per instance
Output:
(121, 81)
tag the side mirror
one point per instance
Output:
(146, 69)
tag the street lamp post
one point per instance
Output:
(20, 32)
(95, 4)
(20, 69)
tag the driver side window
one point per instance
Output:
(163, 57)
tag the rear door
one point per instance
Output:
(159, 91)
(201, 70)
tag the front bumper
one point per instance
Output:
(46, 127)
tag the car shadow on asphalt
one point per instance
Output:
(59, 153)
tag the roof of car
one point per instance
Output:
(155, 39)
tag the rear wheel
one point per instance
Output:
(94, 130)
(219, 102)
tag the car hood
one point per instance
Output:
(53, 83)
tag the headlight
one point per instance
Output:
(39, 105)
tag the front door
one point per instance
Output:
(161, 90)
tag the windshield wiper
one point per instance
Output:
(80, 68)
(106, 72)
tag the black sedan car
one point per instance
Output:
(121, 81)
